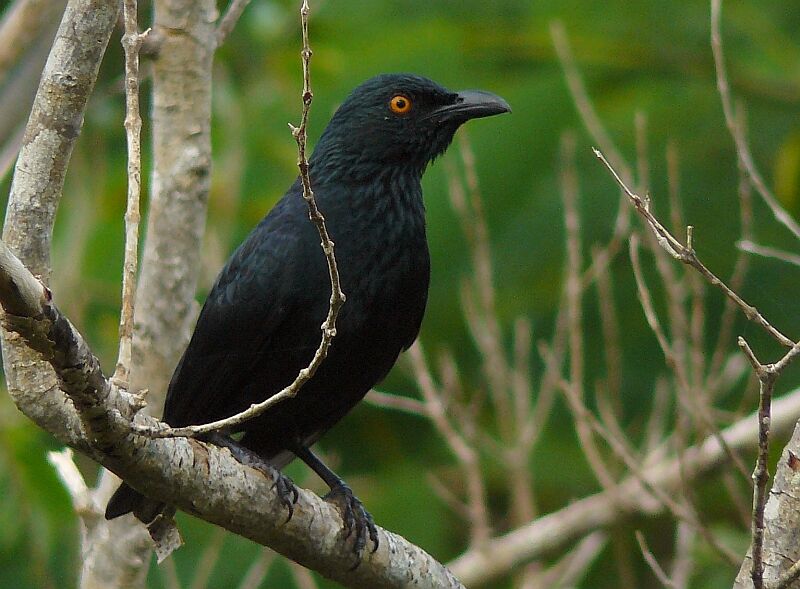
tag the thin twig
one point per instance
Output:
(740, 269)
(768, 252)
(480, 311)
(229, 19)
(683, 562)
(742, 148)
(303, 579)
(169, 573)
(258, 570)
(396, 402)
(651, 561)
(464, 452)
(582, 101)
(72, 478)
(594, 126)
(569, 191)
(609, 322)
(637, 468)
(337, 296)
(761, 472)
(131, 42)
(686, 398)
(208, 559)
(688, 256)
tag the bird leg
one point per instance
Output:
(357, 520)
(283, 485)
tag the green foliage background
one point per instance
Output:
(648, 56)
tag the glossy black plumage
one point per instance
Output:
(261, 321)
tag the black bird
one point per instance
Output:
(261, 322)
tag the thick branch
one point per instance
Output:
(554, 530)
(181, 142)
(201, 479)
(781, 552)
(22, 23)
(53, 127)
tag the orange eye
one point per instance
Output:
(400, 104)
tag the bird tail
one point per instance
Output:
(126, 500)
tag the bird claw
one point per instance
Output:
(287, 493)
(283, 485)
(357, 520)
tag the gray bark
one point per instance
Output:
(201, 479)
(781, 519)
(69, 396)
(183, 31)
(50, 135)
(181, 127)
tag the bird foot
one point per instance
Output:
(283, 485)
(287, 493)
(357, 520)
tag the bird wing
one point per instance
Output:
(249, 303)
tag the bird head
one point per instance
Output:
(397, 121)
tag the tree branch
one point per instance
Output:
(742, 148)
(53, 127)
(688, 256)
(556, 529)
(201, 479)
(131, 42)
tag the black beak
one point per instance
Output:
(470, 104)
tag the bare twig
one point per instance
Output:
(569, 571)
(21, 23)
(738, 275)
(258, 570)
(303, 578)
(208, 559)
(742, 148)
(651, 561)
(556, 529)
(683, 562)
(674, 360)
(73, 481)
(768, 252)
(464, 452)
(687, 255)
(132, 42)
(229, 19)
(767, 374)
(601, 137)
(396, 402)
(569, 191)
(337, 296)
(169, 573)
(479, 308)
(582, 101)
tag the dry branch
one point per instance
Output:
(337, 296)
(86, 412)
(556, 529)
(736, 130)
(687, 255)
(201, 479)
(131, 41)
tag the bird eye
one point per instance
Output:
(400, 104)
